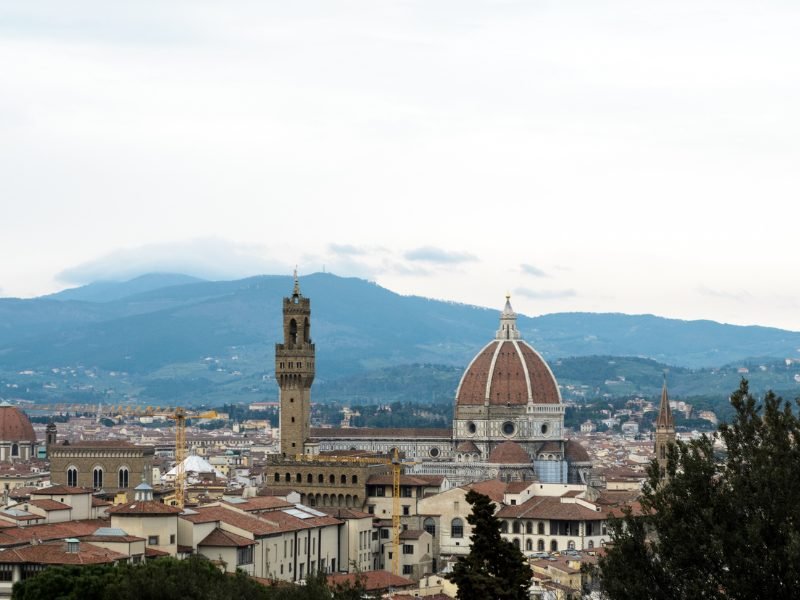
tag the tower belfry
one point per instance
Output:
(665, 431)
(294, 372)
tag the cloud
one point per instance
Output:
(432, 254)
(347, 249)
(207, 258)
(740, 296)
(532, 270)
(545, 294)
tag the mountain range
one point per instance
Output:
(170, 334)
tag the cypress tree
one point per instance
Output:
(494, 569)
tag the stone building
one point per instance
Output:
(112, 466)
(17, 438)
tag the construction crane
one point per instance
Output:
(396, 465)
(177, 414)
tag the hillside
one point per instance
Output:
(165, 337)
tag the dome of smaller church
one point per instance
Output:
(509, 453)
(15, 425)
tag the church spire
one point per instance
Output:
(508, 323)
(664, 412)
(665, 431)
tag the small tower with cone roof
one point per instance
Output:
(665, 430)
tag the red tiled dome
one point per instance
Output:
(514, 372)
(15, 425)
(509, 453)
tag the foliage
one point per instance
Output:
(714, 528)
(169, 579)
(494, 569)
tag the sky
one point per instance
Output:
(605, 156)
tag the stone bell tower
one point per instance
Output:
(294, 371)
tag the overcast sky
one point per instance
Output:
(638, 157)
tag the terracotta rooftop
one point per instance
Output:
(48, 505)
(411, 534)
(338, 512)
(509, 453)
(257, 524)
(262, 503)
(55, 553)
(576, 452)
(60, 490)
(414, 480)
(550, 507)
(144, 507)
(218, 537)
(468, 446)
(373, 580)
(494, 488)
(381, 433)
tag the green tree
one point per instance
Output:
(726, 528)
(494, 569)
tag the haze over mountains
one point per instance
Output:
(173, 327)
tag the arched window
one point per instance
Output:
(529, 527)
(570, 545)
(277, 477)
(97, 478)
(332, 479)
(516, 543)
(354, 479)
(343, 479)
(663, 451)
(504, 527)
(591, 544)
(288, 477)
(292, 331)
(528, 545)
(306, 331)
(122, 477)
(554, 546)
(517, 527)
(320, 478)
(72, 477)
(429, 525)
(540, 528)
(298, 478)
(540, 545)
(457, 528)
(14, 449)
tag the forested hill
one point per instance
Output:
(170, 334)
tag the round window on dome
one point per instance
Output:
(508, 428)
(434, 452)
(472, 428)
(545, 428)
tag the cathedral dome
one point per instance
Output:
(15, 425)
(507, 371)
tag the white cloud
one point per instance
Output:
(207, 258)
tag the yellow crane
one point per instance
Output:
(397, 466)
(177, 414)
